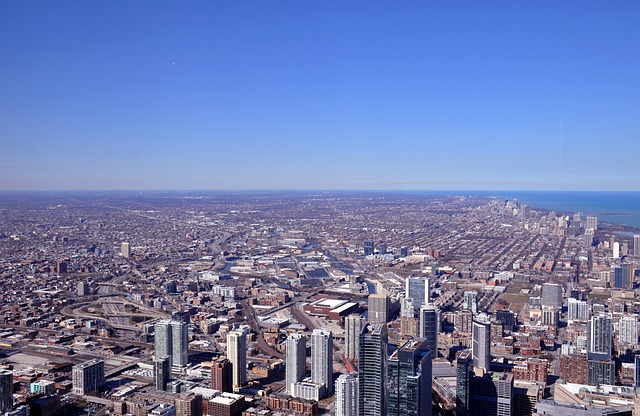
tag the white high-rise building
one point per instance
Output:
(322, 359)
(296, 360)
(353, 325)
(592, 222)
(578, 310)
(237, 355)
(347, 395)
(470, 301)
(616, 250)
(481, 343)
(628, 330)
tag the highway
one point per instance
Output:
(255, 327)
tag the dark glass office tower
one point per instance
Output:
(409, 375)
(372, 371)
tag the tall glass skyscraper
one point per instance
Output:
(372, 371)
(409, 375)
(429, 328)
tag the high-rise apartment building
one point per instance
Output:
(83, 289)
(636, 245)
(6, 390)
(161, 372)
(470, 301)
(481, 342)
(296, 360)
(577, 310)
(429, 328)
(372, 371)
(378, 309)
(616, 250)
(222, 375)
(171, 340)
(353, 325)
(409, 376)
(552, 295)
(592, 222)
(507, 318)
(628, 330)
(237, 355)
(322, 359)
(347, 395)
(125, 250)
(599, 332)
(88, 376)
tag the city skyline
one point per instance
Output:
(319, 96)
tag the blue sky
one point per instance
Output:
(112, 94)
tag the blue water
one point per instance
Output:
(624, 205)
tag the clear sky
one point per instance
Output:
(109, 94)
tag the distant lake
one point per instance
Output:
(621, 207)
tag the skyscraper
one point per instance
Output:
(552, 295)
(352, 328)
(161, 372)
(418, 290)
(6, 390)
(481, 343)
(347, 395)
(599, 334)
(372, 371)
(616, 250)
(171, 340)
(636, 245)
(378, 309)
(577, 310)
(409, 376)
(463, 374)
(222, 375)
(429, 328)
(491, 394)
(179, 343)
(592, 222)
(125, 250)
(322, 359)
(628, 333)
(296, 364)
(88, 376)
(237, 355)
(162, 344)
(368, 248)
(470, 301)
